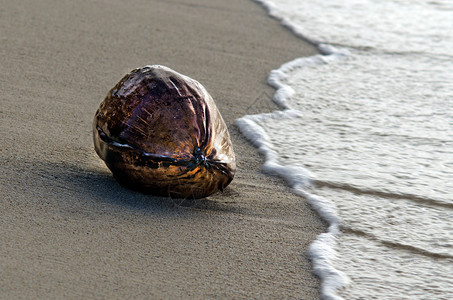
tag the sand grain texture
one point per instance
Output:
(68, 230)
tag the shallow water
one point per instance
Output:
(370, 123)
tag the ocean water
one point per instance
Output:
(366, 135)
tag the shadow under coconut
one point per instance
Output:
(101, 186)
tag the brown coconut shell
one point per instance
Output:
(160, 132)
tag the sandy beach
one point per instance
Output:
(67, 229)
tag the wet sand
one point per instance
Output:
(68, 230)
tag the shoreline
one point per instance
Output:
(69, 230)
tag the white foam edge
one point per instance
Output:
(322, 249)
(248, 125)
(325, 49)
(277, 77)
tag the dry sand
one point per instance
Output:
(67, 229)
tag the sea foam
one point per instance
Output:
(370, 118)
(322, 250)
